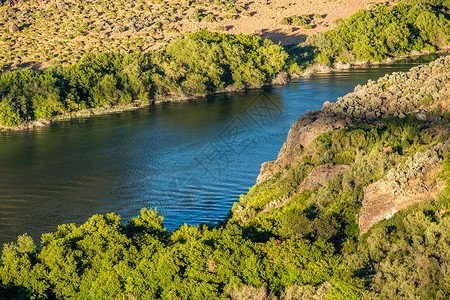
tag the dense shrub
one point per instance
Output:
(385, 32)
(201, 63)
(104, 259)
(281, 239)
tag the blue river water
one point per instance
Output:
(189, 160)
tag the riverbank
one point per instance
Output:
(205, 62)
(282, 79)
(340, 66)
(85, 113)
(332, 222)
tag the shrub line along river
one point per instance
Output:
(191, 160)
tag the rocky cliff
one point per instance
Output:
(409, 183)
(302, 132)
(420, 97)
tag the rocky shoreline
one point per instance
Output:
(281, 79)
(420, 95)
(339, 66)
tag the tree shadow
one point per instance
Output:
(285, 38)
(24, 26)
(301, 54)
(34, 65)
(14, 291)
(257, 236)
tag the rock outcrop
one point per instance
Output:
(409, 183)
(321, 174)
(13, 28)
(420, 91)
(421, 96)
(301, 134)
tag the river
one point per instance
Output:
(189, 160)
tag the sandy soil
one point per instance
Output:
(44, 40)
(265, 18)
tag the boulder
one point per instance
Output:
(13, 28)
(409, 183)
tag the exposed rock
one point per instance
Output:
(381, 202)
(281, 78)
(302, 132)
(421, 117)
(61, 5)
(13, 28)
(370, 115)
(409, 183)
(342, 65)
(27, 125)
(316, 69)
(267, 171)
(387, 149)
(321, 174)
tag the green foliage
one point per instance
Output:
(286, 21)
(318, 17)
(9, 115)
(201, 63)
(26, 95)
(407, 255)
(104, 259)
(19, 273)
(295, 20)
(385, 31)
(444, 175)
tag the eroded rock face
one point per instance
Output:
(267, 171)
(422, 95)
(301, 134)
(381, 202)
(321, 174)
(410, 183)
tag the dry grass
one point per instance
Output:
(61, 31)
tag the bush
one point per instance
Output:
(9, 115)
(201, 63)
(386, 31)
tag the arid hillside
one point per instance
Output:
(38, 33)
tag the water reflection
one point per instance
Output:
(190, 160)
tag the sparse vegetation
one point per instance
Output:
(69, 29)
(279, 241)
(296, 21)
